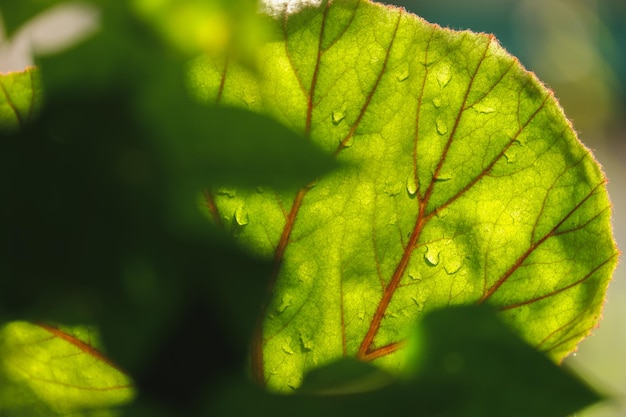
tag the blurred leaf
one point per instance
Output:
(217, 27)
(20, 99)
(196, 144)
(346, 376)
(473, 349)
(229, 146)
(104, 222)
(464, 183)
(464, 362)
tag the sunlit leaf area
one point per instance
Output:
(316, 207)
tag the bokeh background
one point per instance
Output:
(578, 48)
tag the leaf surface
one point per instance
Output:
(464, 184)
(51, 371)
(20, 98)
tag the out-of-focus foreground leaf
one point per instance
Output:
(464, 184)
(463, 362)
(101, 215)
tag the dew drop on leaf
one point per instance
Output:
(415, 275)
(287, 349)
(338, 116)
(403, 72)
(417, 303)
(285, 302)
(241, 216)
(411, 186)
(228, 192)
(443, 76)
(431, 256)
(249, 100)
(510, 157)
(307, 343)
(442, 128)
(453, 268)
(511, 153)
(392, 188)
(442, 177)
(483, 108)
(440, 101)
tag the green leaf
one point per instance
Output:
(20, 99)
(225, 145)
(48, 371)
(463, 362)
(221, 27)
(464, 184)
(469, 347)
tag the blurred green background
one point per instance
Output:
(578, 48)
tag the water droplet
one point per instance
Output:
(403, 72)
(483, 108)
(348, 142)
(285, 302)
(392, 188)
(338, 116)
(361, 315)
(510, 157)
(241, 216)
(438, 101)
(249, 99)
(411, 185)
(287, 349)
(442, 128)
(228, 192)
(307, 343)
(431, 256)
(444, 75)
(443, 177)
(511, 153)
(452, 269)
(415, 275)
